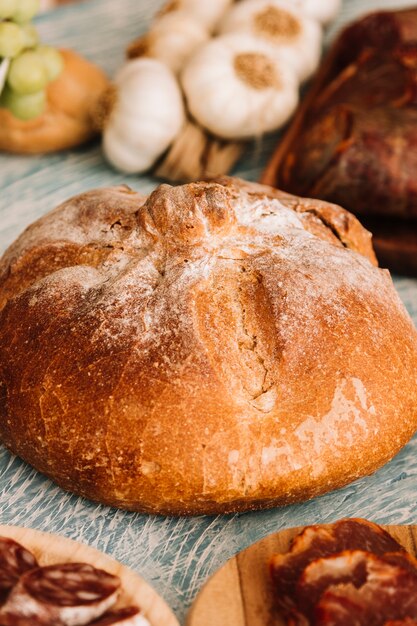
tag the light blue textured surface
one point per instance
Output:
(175, 555)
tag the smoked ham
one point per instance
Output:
(353, 139)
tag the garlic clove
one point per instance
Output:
(173, 38)
(146, 117)
(207, 12)
(123, 156)
(282, 25)
(237, 86)
(324, 11)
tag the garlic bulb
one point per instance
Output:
(207, 12)
(173, 38)
(282, 25)
(323, 11)
(237, 86)
(146, 117)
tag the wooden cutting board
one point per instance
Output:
(240, 594)
(49, 549)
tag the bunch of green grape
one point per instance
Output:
(31, 66)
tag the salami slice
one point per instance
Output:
(350, 566)
(389, 592)
(15, 560)
(402, 622)
(321, 541)
(14, 620)
(129, 616)
(71, 594)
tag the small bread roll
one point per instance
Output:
(216, 347)
(68, 118)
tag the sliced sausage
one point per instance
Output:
(316, 542)
(71, 594)
(15, 560)
(389, 592)
(408, 621)
(15, 620)
(350, 566)
(129, 616)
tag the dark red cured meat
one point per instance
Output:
(359, 147)
(321, 541)
(356, 143)
(69, 584)
(388, 593)
(71, 593)
(13, 620)
(15, 560)
(350, 566)
(129, 616)
(383, 31)
(402, 622)
(347, 566)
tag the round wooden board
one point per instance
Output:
(240, 593)
(50, 549)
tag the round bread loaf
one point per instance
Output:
(218, 346)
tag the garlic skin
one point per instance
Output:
(237, 87)
(279, 23)
(207, 12)
(173, 38)
(147, 116)
(324, 11)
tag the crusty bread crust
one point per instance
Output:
(219, 346)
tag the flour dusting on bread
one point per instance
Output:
(217, 346)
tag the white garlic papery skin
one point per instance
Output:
(237, 87)
(323, 11)
(280, 24)
(147, 115)
(207, 12)
(173, 38)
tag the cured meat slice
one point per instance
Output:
(71, 594)
(13, 620)
(15, 560)
(129, 616)
(389, 592)
(316, 542)
(402, 622)
(347, 567)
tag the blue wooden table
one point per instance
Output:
(175, 555)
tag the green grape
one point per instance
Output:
(26, 9)
(24, 107)
(27, 73)
(31, 35)
(12, 40)
(53, 61)
(7, 8)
